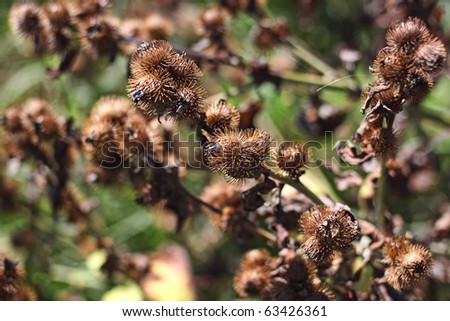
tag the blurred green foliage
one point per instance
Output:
(71, 274)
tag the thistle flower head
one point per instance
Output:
(327, 230)
(238, 155)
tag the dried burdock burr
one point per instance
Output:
(327, 230)
(431, 56)
(38, 114)
(163, 82)
(407, 262)
(376, 139)
(405, 67)
(10, 275)
(158, 26)
(30, 20)
(229, 201)
(83, 9)
(406, 35)
(213, 23)
(188, 104)
(29, 125)
(61, 21)
(238, 155)
(222, 117)
(253, 276)
(114, 134)
(99, 36)
(291, 159)
(270, 34)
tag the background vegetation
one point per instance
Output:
(343, 38)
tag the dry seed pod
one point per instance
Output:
(377, 140)
(407, 262)
(60, 18)
(86, 8)
(99, 36)
(213, 22)
(38, 114)
(163, 82)
(238, 155)
(188, 104)
(291, 159)
(407, 35)
(28, 125)
(10, 275)
(391, 67)
(158, 26)
(30, 20)
(327, 230)
(222, 117)
(431, 56)
(253, 276)
(114, 134)
(230, 201)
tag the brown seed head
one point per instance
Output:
(86, 8)
(163, 82)
(327, 230)
(222, 117)
(10, 275)
(238, 155)
(115, 133)
(390, 67)
(158, 26)
(60, 18)
(213, 22)
(407, 262)
(431, 56)
(230, 201)
(99, 36)
(253, 275)
(292, 158)
(188, 104)
(30, 20)
(407, 35)
(38, 113)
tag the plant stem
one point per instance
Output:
(316, 80)
(379, 200)
(247, 225)
(200, 201)
(307, 56)
(261, 232)
(299, 187)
